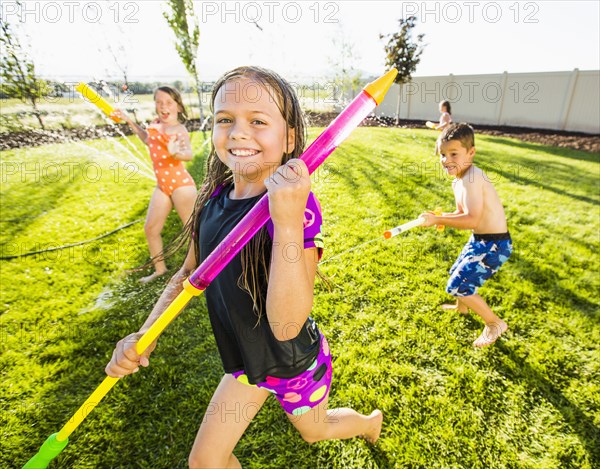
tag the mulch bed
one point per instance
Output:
(557, 138)
(574, 140)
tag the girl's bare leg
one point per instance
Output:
(184, 199)
(230, 411)
(321, 423)
(158, 211)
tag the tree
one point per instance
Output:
(118, 52)
(403, 54)
(347, 78)
(17, 70)
(184, 23)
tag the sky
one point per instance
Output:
(302, 40)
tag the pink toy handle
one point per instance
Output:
(313, 156)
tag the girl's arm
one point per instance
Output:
(138, 130)
(445, 121)
(293, 268)
(173, 288)
(180, 145)
(125, 360)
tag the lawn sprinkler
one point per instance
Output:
(94, 98)
(409, 225)
(313, 156)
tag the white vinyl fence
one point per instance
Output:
(547, 100)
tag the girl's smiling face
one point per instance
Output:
(166, 108)
(250, 135)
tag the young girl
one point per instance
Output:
(259, 305)
(445, 117)
(169, 144)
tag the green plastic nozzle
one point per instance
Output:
(49, 450)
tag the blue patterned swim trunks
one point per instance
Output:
(481, 258)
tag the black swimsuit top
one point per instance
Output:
(246, 342)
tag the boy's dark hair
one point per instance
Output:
(462, 132)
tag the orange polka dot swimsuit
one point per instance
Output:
(170, 172)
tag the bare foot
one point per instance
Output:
(461, 308)
(375, 422)
(491, 332)
(151, 277)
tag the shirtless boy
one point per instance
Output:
(478, 208)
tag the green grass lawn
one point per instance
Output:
(530, 401)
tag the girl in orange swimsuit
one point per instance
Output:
(170, 172)
(169, 145)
